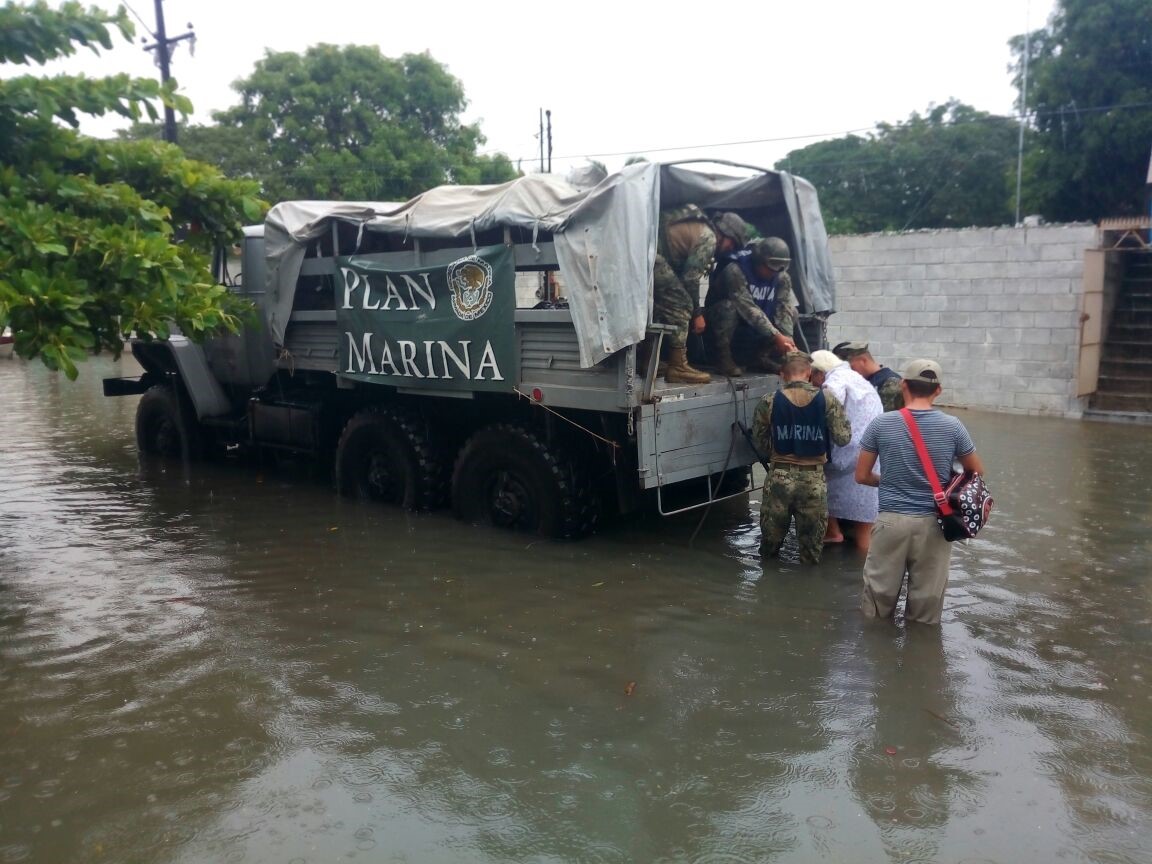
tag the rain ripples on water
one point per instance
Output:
(230, 663)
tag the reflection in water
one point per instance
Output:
(262, 671)
(905, 772)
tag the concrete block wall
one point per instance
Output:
(999, 308)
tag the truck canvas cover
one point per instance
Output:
(604, 236)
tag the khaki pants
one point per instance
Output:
(912, 544)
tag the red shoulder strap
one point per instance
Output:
(922, 451)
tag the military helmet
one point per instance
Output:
(731, 225)
(771, 252)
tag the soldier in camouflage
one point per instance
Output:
(686, 248)
(885, 380)
(797, 425)
(751, 308)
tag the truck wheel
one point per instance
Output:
(509, 477)
(384, 454)
(164, 427)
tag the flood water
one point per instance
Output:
(234, 664)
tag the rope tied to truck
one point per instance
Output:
(615, 447)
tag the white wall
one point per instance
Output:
(999, 308)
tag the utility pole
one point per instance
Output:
(1023, 114)
(545, 136)
(549, 115)
(162, 46)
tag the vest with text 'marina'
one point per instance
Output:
(796, 431)
(762, 291)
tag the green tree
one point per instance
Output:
(947, 168)
(1089, 95)
(88, 227)
(232, 149)
(347, 122)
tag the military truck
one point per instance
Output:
(390, 337)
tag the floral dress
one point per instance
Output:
(847, 499)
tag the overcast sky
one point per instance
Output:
(750, 84)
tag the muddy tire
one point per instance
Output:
(509, 477)
(386, 455)
(165, 426)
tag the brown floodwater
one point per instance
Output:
(230, 663)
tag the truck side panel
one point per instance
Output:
(550, 363)
(549, 357)
(311, 342)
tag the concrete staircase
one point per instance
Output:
(1125, 384)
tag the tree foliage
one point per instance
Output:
(947, 168)
(88, 228)
(232, 149)
(1089, 95)
(347, 122)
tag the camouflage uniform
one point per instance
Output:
(685, 251)
(795, 490)
(730, 304)
(741, 330)
(891, 395)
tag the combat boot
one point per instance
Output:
(725, 363)
(679, 372)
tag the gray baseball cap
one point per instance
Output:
(924, 370)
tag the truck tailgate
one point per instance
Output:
(685, 435)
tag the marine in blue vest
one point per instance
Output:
(797, 425)
(885, 380)
(751, 308)
(763, 290)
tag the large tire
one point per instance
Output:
(165, 426)
(385, 454)
(507, 476)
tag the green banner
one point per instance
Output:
(448, 326)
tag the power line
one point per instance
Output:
(636, 151)
(1032, 116)
(136, 15)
